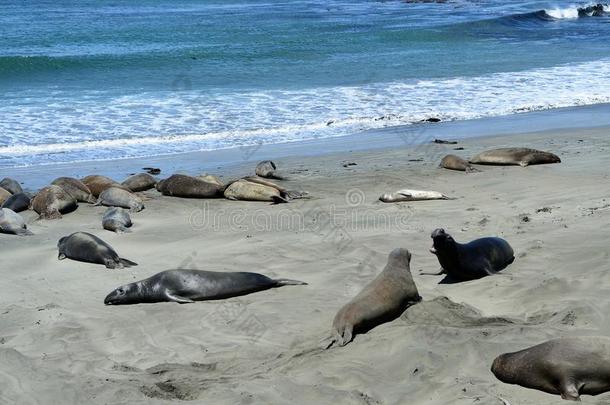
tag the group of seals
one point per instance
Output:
(84, 247)
(501, 156)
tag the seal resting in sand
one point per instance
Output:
(180, 185)
(267, 169)
(514, 156)
(412, 195)
(10, 185)
(382, 300)
(52, 201)
(290, 194)
(12, 223)
(97, 184)
(249, 191)
(140, 182)
(84, 247)
(470, 261)
(75, 188)
(4, 195)
(210, 178)
(17, 202)
(117, 220)
(117, 197)
(453, 162)
(569, 367)
(187, 286)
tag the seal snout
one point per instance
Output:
(438, 232)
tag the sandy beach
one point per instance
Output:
(60, 344)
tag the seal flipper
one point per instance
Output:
(278, 199)
(61, 256)
(127, 263)
(347, 335)
(440, 273)
(176, 298)
(569, 390)
(286, 281)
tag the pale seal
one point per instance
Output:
(118, 197)
(17, 202)
(4, 195)
(514, 156)
(187, 286)
(180, 185)
(453, 162)
(52, 201)
(97, 184)
(12, 223)
(10, 185)
(412, 195)
(84, 247)
(470, 261)
(117, 220)
(249, 191)
(140, 182)
(267, 169)
(382, 300)
(75, 188)
(569, 367)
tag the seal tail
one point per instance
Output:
(286, 281)
(279, 199)
(127, 263)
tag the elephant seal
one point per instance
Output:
(187, 286)
(210, 178)
(248, 191)
(13, 223)
(117, 220)
(84, 247)
(290, 194)
(514, 156)
(470, 261)
(117, 197)
(4, 195)
(10, 185)
(17, 202)
(180, 185)
(267, 169)
(569, 367)
(52, 201)
(97, 184)
(453, 162)
(412, 195)
(140, 182)
(382, 300)
(75, 188)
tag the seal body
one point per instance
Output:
(186, 286)
(84, 247)
(52, 201)
(250, 191)
(4, 195)
(12, 223)
(76, 188)
(470, 261)
(453, 162)
(288, 194)
(118, 197)
(412, 195)
(97, 184)
(515, 156)
(267, 169)
(117, 220)
(180, 185)
(382, 300)
(140, 182)
(11, 185)
(17, 202)
(569, 367)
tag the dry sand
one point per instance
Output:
(59, 344)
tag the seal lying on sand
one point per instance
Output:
(470, 261)
(12, 223)
(75, 188)
(187, 286)
(514, 156)
(117, 197)
(382, 300)
(84, 247)
(569, 367)
(249, 191)
(52, 201)
(117, 220)
(180, 185)
(4, 195)
(412, 195)
(10, 185)
(453, 162)
(17, 202)
(140, 182)
(290, 194)
(97, 184)
(267, 169)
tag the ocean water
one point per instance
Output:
(94, 79)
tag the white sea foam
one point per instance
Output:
(572, 11)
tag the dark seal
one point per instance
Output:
(84, 247)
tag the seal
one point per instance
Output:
(117, 220)
(514, 156)
(13, 223)
(84, 247)
(412, 195)
(210, 178)
(470, 261)
(267, 169)
(290, 194)
(52, 201)
(17, 202)
(4, 195)
(569, 367)
(382, 300)
(453, 162)
(140, 182)
(180, 185)
(187, 286)
(248, 191)
(118, 197)
(10, 185)
(97, 184)
(76, 188)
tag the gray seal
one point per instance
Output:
(117, 197)
(12, 223)
(453, 162)
(52, 201)
(569, 367)
(117, 220)
(470, 261)
(384, 299)
(180, 185)
(10, 185)
(515, 156)
(75, 188)
(245, 190)
(187, 286)
(268, 170)
(97, 184)
(140, 182)
(17, 202)
(84, 247)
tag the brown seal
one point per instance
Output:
(140, 182)
(245, 190)
(53, 201)
(453, 162)
(514, 156)
(75, 188)
(4, 195)
(180, 185)
(97, 184)
(569, 367)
